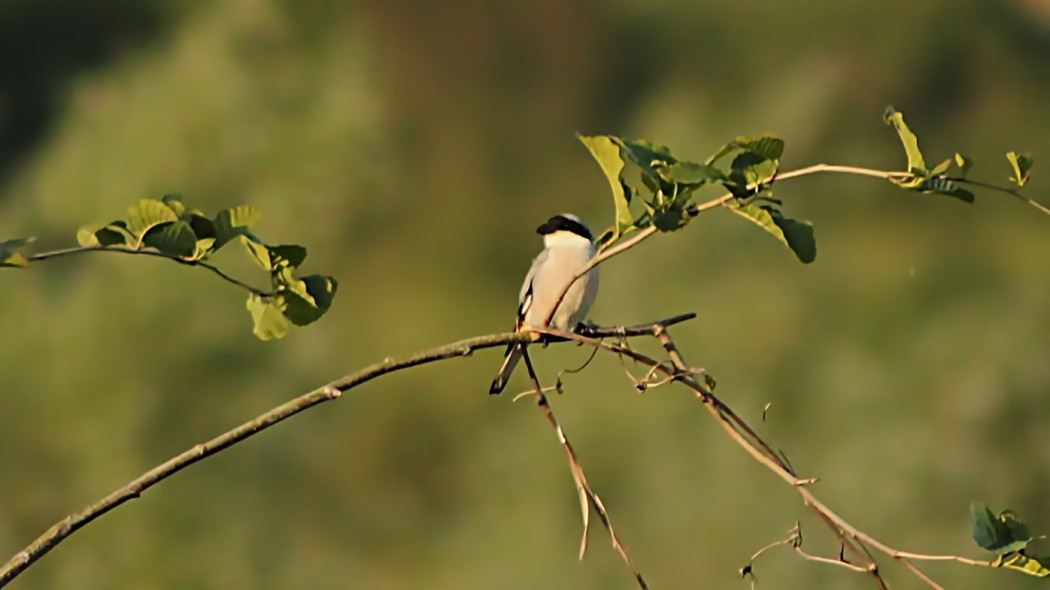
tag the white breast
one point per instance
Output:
(555, 268)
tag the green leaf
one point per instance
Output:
(86, 237)
(963, 163)
(670, 220)
(273, 258)
(984, 527)
(943, 186)
(233, 222)
(10, 255)
(203, 247)
(752, 170)
(796, 235)
(175, 238)
(768, 145)
(1021, 164)
(941, 168)
(606, 151)
(268, 318)
(1025, 564)
(174, 202)
(650, 182)
(916, 164)
(1002, 534)
(691, 173)
(307, 299)
(290, 255)
(725, 151)
(1018, 529)
(646, 155)
(146, 214)
(115, 234)
(259, 251)
(202, 226)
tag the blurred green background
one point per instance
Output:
(413, 148)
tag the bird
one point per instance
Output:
(568, 246)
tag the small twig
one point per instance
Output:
(529, 392)
(635, 330)
(583, 488)
(794, 540)
(155, 253)
(1003, 189)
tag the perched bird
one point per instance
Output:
(568, 247)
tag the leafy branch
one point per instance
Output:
(166, 228)
(662, 197)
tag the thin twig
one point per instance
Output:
(1008, 190)
(583, 488)
(155, 253)
(794, 540)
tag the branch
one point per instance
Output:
(74, 522)
(853, 539)
(583, 488)
(157, 253)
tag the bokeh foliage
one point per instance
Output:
(408, 149)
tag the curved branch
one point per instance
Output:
(155, 253)
(72, 523)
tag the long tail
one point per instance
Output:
(510, 360)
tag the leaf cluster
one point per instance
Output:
(1008, 537)
(662, 196)
(166, 227)
(937, 180)
(653, 188)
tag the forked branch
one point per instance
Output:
(858, 544)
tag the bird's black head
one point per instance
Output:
(565, 222)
